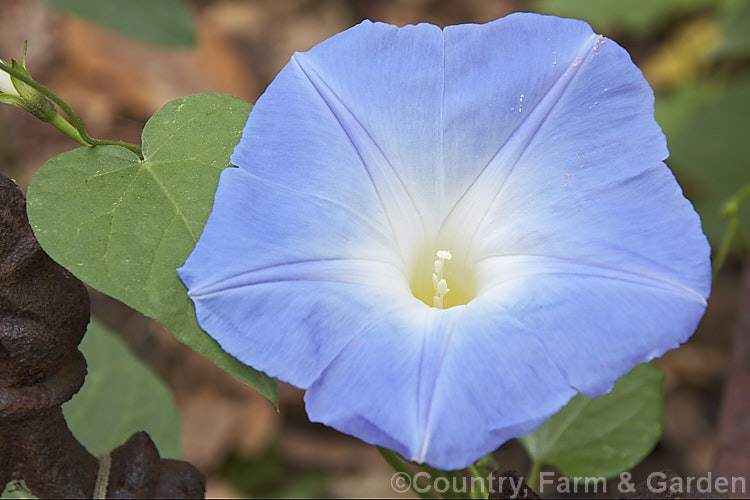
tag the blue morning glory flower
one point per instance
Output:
(443, 235)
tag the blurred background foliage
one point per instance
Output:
(166, 22)
(118, 62)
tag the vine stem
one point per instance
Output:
(482, 493)
(726, 245)
(737, 198)
(532, 478)
(454, 478)
(730, 210)
(398, 464)
(85, 138)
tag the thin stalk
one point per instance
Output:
(532, 478)
(88, 140)
(726, 245)
(453, 477)
(483, 491)
(398, 464)
(730, 210)
(737, 198)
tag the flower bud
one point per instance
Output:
(22, 95)
(6, 85)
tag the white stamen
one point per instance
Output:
(439, 266)
(438, 281)
(442, 287)
(444, 255)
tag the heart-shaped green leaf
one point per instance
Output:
(124, 225)
(121, 396)
(604, 436)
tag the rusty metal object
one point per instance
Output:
(144, 472)
(733, 452)
(44, 311)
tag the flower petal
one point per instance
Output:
(274, 260)
(443, 387)
(6, 84)
(378, 363)
(529, 145)
(595, 321)
(579, 190)
(335, 120)
(500, 77)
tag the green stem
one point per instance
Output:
(398, 464)
(482, 493)
(741, 239)
(66, 128)
(732, 204)
(127, 145)
(532, 478)
(726, 245)
(87, 139)
(730, 210)
(453, 478)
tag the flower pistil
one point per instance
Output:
(439, 284)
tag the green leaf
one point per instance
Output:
(124, 225)
(707, 150)
(158, 22)
(636, 17)
(604, 436)
(120, 396)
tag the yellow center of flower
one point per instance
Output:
(433, 289)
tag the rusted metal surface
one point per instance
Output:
(44, 311)
(137, 468)
(733, 451)
(48, 457)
